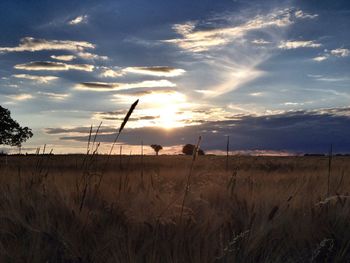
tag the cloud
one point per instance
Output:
(119, 115)
(260, 42)
(159, 71)
(83, 130)
(328, 78)
(35, 44)
(225, 48)
(320, 58)
(55, 96)
(296, 131)
(78, 20)
(39, 79)
(111, 73)
(340, 52)
(154, 97)
(64, 57)
(303, 15)
(78, 47)
(256, 94)
(103, 86)
(237, 77)
(91, 56)
(21, 97)
(197, 40)
(292, 103)
(53, 66)
(299, 44)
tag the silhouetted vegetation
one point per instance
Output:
(156, 148)
(189, 148)
(11, 133)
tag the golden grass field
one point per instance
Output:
(77, 208)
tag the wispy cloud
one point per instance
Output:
(31, 44)
(301, 14)
(54, 96)
(299, 44)
(260, 42)
(78, 20)
(35, 44)
(53, 66)
(91, 56)
(39, 79)
(238, 62)
(159, 71)
(240, 75)
(20, 97)
(197, 40)
(256, 94)
(64, 57)
(154, 96)
(329, 78)
(103, 86)
(111, 73)
(340, 52)
(320, 58)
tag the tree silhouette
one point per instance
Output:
(189, 148)
(156, 148)
(11, 133)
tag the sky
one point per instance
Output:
(272, 75)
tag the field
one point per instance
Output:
(76, 208)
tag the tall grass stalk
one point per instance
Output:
(227, 151)
(142, 183)
(120, 156)
(126, 118)
(188, 181)
(330, 156)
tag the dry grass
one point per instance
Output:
(263, 209)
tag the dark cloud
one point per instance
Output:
(158, 69)
(120, 115)
(97, 85)
(300, 131)
(149, 117)
(82, 130)
(104, 86)
(57, 66)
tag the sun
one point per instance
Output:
(169, 117)
(167, 105)
(166, 109)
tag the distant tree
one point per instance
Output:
(189, 148)
(156, 148)
(11, 133)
